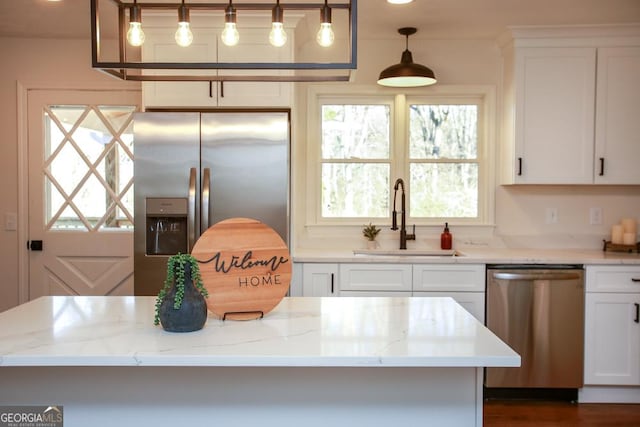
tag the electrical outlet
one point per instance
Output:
(595, 216)
(551, 215)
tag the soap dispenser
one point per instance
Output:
(446, 237)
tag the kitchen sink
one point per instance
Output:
(408, 252)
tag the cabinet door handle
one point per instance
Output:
(601, 166)
(331, 282)
(637, 319)
(635, 280)
(519, 166)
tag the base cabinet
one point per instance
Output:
(463, 282)
(612, 326)
(319, 280)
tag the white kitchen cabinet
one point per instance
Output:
(612, 326)
(473, 302)
(617, 141)
(571, 104)
(254, 46)
(449, 277)
(554, 109)
(375, 277)
(319, 280)
(465, 283)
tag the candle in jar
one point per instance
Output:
(616, 234)
(630, 225)
(629, 239)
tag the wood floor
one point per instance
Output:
(515, 413)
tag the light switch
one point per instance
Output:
(10, 221)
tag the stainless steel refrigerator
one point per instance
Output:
(194, 169)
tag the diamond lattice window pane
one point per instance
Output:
(55, 136)
(68, 220)
(117, 116)
(55, 200)
(67, 168)
(92, 200)
(92, 136)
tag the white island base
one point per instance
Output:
(311, 362)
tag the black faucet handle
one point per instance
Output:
(413, 235)
(394, 220)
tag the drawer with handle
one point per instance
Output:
(610, 278)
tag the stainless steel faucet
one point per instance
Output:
(403, 221)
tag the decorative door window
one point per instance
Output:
(88, 167)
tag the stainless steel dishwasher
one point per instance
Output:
(538, 310)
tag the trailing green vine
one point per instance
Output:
(176, 272)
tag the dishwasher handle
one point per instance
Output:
(536, 276)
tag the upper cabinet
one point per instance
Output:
(254, 46)
(617, 136)
(569, 108)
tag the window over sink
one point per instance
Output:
(436, 143)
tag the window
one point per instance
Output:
(437, 148)
(443, 161)
(356, 163)
(88, 167)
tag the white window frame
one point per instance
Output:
(483, 96)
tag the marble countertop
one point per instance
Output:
(477, 255)
(299, 332)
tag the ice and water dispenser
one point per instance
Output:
(166, 227)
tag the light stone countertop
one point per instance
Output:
(300, 332)
(476, 255)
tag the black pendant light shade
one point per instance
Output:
(407, 73)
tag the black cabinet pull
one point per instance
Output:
(637, 319)
(519, 166)
(601, 166)
(633, 279)
(331, 282)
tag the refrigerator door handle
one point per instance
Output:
(206, 196)
(191, 208)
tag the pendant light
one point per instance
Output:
(184, 36)
(277, 36)
(325, 36)
(135, 35)
(406, 73)
(230, 35)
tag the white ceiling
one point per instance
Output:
(458, 19)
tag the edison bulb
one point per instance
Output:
(135, 35)
(184, 36)
(277, 36)
(325, 36)
(230, 35)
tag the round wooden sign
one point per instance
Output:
(246, 267)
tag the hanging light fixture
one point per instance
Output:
(407, 73)
(135, 35)
(230, 35)
(184, 36)
(128, 64)
(325, 36)
(277, 36)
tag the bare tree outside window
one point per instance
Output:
(355, 161)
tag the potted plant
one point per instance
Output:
(371, 232)
(180, 305)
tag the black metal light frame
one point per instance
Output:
(123, 68)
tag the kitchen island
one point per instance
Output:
(311, 361)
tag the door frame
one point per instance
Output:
(22, 112)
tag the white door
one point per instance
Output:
(80, 146)
(612, 339)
